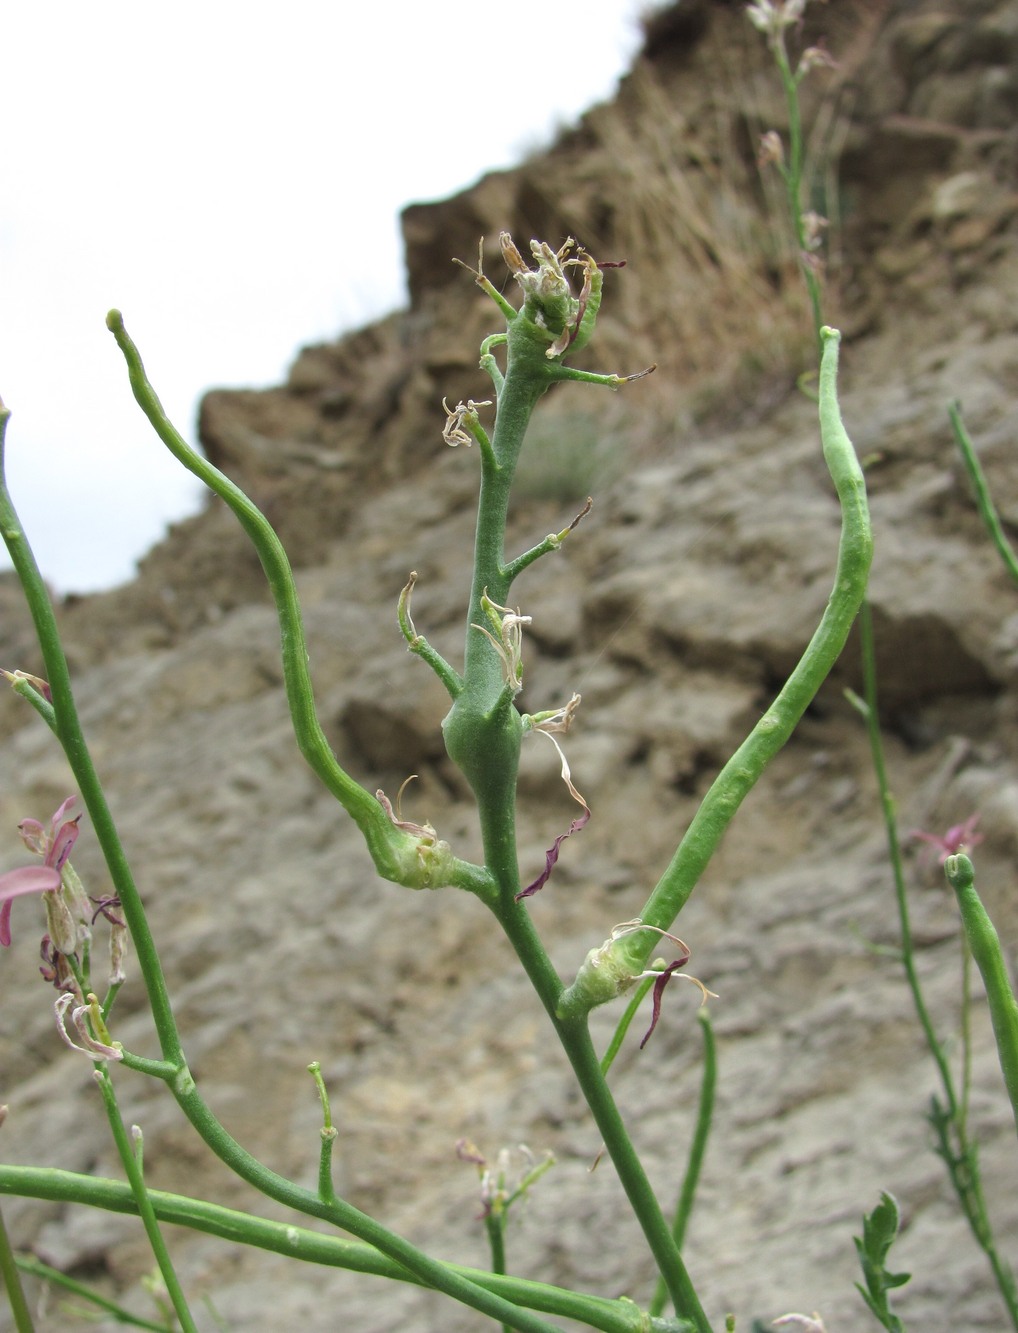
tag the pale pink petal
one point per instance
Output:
(60, 847)
(62, 810)
(15, 883)
(33, 835)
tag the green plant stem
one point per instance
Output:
(949, 1122)
(983, 498)
(623, 1025)
(132, 1165)
(697, 1148)
(965, 1009)
(553, 542)
(984, 942)
(793, 174)
(358, 802)
(575, 1037)
(634, 1180)
(494, 1226)
(68, 729)
(745, 767)
(328, 1135)
(870, 710)
(12, 1283)
(611, 1316)
(338, 1212)
(41, 705)
(35, 1268)
(418, 644)
(483, 731)
(960, 1156)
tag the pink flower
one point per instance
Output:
(958, 838)
(29, 879)
(54, 845)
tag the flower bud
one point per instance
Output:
(771, 151)
(118, 951)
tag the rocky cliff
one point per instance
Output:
(675, 610)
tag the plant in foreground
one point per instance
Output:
(483, 732)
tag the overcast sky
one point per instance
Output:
(229, 175)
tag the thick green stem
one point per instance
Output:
(482, 734)
(494, 1225)
(579, 1048)
(612, 1316)
(639, 1191)
(483, 730)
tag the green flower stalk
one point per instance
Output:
(774, 18)
(483, 730)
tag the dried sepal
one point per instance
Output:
(462, 424)
(507, 638)
(558, 721)
(86, 1019)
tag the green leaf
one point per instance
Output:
(879, 1230)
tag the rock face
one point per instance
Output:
(675, 609)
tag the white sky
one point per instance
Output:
(229, 175)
